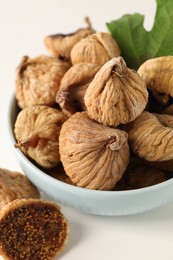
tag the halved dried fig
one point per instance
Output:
(38, 80)
(116, 95)
(37, 131)
(70, 96)
(151, 136)
(94, 156)
(60, 45)
(96, 48)
(32, 229)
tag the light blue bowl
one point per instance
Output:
(108, 203)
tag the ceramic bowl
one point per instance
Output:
(108, 203)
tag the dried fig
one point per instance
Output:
(157, 73)
(38, 80)
(165, 120)
(116, 95)
(60, 45)
(70, 96)
(97, 48)
(139, 175)
(37, 133)
(151, 136)
(94, 156)
(14, 185)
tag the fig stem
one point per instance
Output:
(29, 142)
(88, 22)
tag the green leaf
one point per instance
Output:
(136, 44)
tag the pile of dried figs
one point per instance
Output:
(87, 119)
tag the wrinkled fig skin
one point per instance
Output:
(60, 45)
(97, 48)
(117, 94)
(38, 80)
(37, 131)
(93, 156)
(151, 136)
(166, 120)
(70, 96)
(157, 73)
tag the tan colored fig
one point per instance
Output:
(94, 156)
(32, 229)
(116, 95)
(140, 175)
(37, 131)
(151, 136)
(14, 185)
(157, 73)
(166, 120)
(38, 80)
(60, 45)
(97, 48)
(70, 96)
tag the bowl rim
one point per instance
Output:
(73, 188)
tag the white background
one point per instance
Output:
(23, 25)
